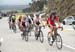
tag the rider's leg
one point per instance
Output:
(14, 25)
(39, 31)
(9, 25)
(50, 34)
(35, 29)
(36, 33)
(55, 31)
(19, 26)
(54, 35)
(29, 27)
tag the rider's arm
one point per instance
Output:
(40, 20)
(57, 19)
(34, 21)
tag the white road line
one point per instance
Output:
(69, 30)
(68, 46)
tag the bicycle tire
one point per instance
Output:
(49, 40)
(26, 36)
(60, 40)
(22, 35)
(41, 37)
(36, 35)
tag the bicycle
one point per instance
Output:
(39, 34)
(25, 32)
(56, 38)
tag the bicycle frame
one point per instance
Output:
(38, 28)
(55, 30)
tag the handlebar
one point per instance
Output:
(60, 28)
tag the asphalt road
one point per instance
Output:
(12, 42)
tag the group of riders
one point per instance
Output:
(28, 22)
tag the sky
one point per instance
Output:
(14, 2)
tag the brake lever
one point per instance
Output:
(61, 28)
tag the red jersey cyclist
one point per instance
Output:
(51, 23)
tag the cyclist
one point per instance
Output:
(19, 22)
(30, 22)
(37, 22)
(13, 21)
(51, 23)
(30, 19)
(25, 24)
(10, 20)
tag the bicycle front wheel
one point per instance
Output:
(26, 36)
(58, 42)
(41, 37)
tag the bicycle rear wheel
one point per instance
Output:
(58, 42)
(41, 37)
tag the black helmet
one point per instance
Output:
(53, 13)
(37, 15)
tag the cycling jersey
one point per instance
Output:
(52, 22)
(24, 22)
(20, 18)
(29, 21)
(13, 18)
(37, 21)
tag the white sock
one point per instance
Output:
(51, 39)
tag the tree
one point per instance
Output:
(38, 5)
